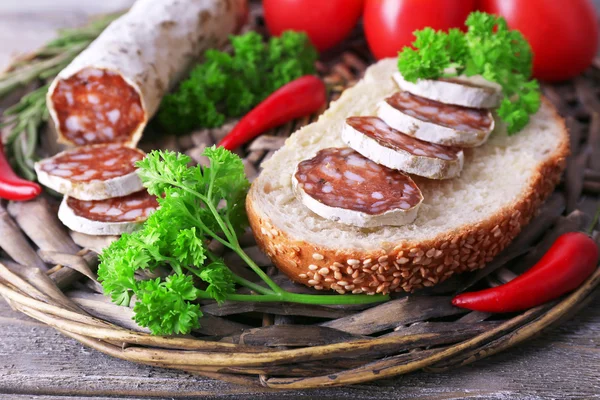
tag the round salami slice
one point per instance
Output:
(107, 217)
(435, 122)
(96, 106)
(377, 141)
(92, 172)
(474, 91)
(341, 185)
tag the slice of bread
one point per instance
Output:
(461, 225)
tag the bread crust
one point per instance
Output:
(409, 265)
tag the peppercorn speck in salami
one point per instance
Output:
(107, 217)
(377, 141)
(342, 185)
(436, 122)
(97, 106)
(92, 172)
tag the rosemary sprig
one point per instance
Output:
(26, 117)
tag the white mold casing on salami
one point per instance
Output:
(151, 47)
(94, 172)
(435, 122)
(474, 91)
(364, 194)
(107, 217)
(377, 141)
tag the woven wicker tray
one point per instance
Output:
(47, 273)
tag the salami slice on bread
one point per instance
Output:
(436, 122)
(342, 185)
(377, 141)
(462, 222)
(475, 91)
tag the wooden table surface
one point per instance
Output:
(36, 362)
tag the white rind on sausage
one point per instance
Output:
(395, 216)
(432, 132)
(395, 158)
(465, 91)
(152, 46)
(88, 226)
(88, 190)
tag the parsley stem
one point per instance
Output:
(251, 285)
(333, 299)
(304, 298)
(232, 241)
(288, 297)
(238, 279)
(258, 271)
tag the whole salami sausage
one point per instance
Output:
(110, 91)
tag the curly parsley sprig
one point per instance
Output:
(490, 49)
(197, 204)
(229, 85)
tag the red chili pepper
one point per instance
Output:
(11, 186)
(303, 96)
(570, 261)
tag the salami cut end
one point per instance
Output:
(341, 185)
(377, 141)
(96, 106)
(93, 172)
(107, 217)
(474, 92)
(435, 122)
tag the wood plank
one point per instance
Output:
(395, 313)
(36, 360)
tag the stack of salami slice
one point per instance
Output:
(420, 130)
(103, 193)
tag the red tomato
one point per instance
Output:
(389, 24)
(326, 22)
(563, 35)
